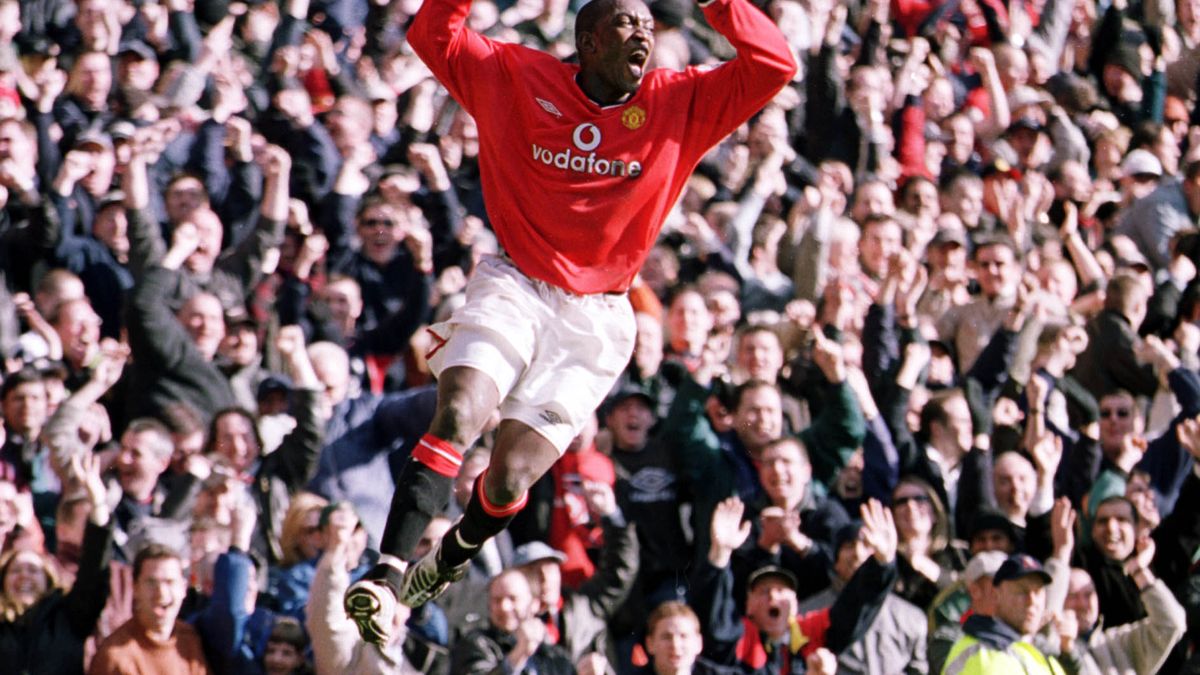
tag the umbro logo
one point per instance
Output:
(548, 107)
(551, 417)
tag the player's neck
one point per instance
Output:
(600, 92)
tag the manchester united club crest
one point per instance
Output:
(633, 118)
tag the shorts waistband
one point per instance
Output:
(503, 256)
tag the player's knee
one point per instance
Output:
(508, 481)
(460, 419)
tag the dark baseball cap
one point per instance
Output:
(626, 392)
(771, 572)
(990, 519)
(1018, 566)
(1026, 124)
(139, 49)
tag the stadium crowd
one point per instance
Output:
(916, 385)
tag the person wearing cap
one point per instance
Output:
(1141, 173)
(100, 260)
(1173, 207)
(998, 644)
(649, 488)
(83, 177)
(137, 66)
(239, 359)
(772, 637)
(894, 643)
(1029, 141)
(578, 620)
(946, 257)
(974, 593)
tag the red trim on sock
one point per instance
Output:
(493, 510)
(438, 455)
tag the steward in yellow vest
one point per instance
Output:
(995, 645)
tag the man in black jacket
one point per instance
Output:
(578, 620)
(514, 640)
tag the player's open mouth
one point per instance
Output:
(637, 61)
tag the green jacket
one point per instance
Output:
(709, 462)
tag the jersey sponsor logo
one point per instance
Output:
(586, 138)
(548, 106)
(633, 118)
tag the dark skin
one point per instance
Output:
(613, 54)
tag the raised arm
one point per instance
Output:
(859, 602)
(249, 259)
(222, 623)
(295, 461)
(87, 597)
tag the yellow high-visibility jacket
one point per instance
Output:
(969, 656)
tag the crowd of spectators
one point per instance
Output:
(928, 325)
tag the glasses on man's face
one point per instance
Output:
(1115, 413)
(371, 223)
(916, 500)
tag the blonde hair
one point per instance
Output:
(10, 609)
(292, 533)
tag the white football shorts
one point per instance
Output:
(553, 355)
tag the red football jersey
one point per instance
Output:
(578, 192)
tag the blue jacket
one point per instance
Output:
(367, 440)
(234, 640)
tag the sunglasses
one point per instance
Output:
(378, 222)
(1117, 413)
(917, 499)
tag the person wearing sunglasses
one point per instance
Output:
(926, 561)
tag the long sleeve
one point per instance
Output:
(881, 347)
(88, 595)
(61, 434)
(332, 632)
(836, 433)
(405, 414)
(824, 105)
(245, 262)
(720, 101)
(607, 588)
(881, 461)
(295, 461)
(859, 602)
(812, 257)
(910, 137)
(222, 623)
(1147, 642)
(711, 595)
(1165, 460)
(146, 245)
